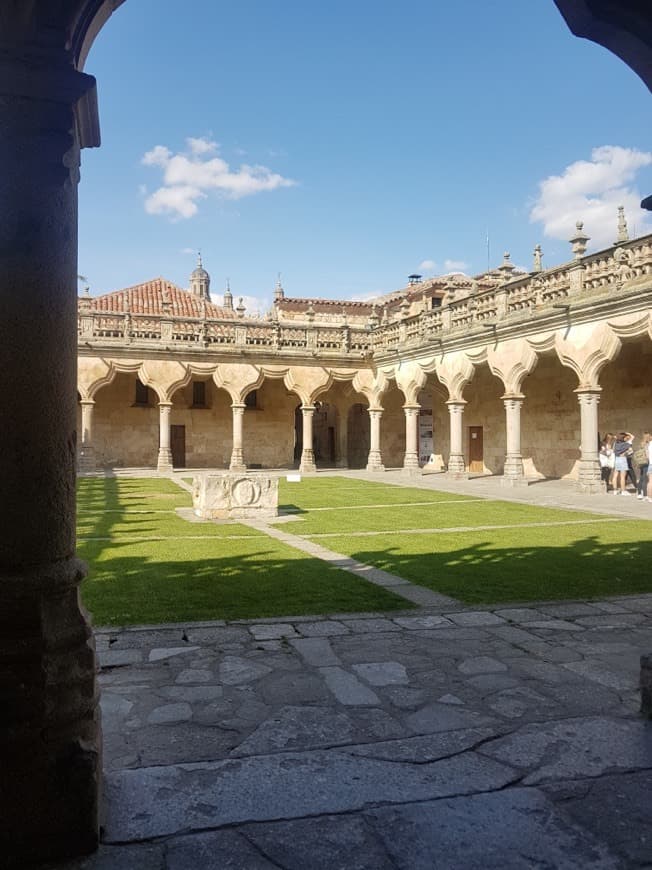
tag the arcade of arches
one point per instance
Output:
(50, 753)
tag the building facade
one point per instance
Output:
(508, 373)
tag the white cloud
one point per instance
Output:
(427, 267)
(189, 176)
(455, 265)
(591, 191)
(188, 251)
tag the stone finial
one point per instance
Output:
(241, 308)
(374, 320)
(579, 240)
(623, 234)
(310, 313)
(228, 296)
(506, 267)
(405, 307)
(537, 265)
(385, 319)
(279, 292)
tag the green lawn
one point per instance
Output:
(592, 556)
(229, 572)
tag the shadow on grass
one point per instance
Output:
(487, 573)
(139, 588)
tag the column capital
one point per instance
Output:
(308, 409)
(165, 405)
(238, 406)
(87, 402)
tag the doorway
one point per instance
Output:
(476, 450)
(178, 446)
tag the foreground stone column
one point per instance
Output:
(86, 450)
(456, 463)
(375, 460)
(237, 452)
(411, 457)
(307, 453)
(164, 464)
(50, 740)
(590, 477)
(646, 686)
(514, 473)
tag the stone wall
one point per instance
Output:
(123, 433)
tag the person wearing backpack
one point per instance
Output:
(641, 458)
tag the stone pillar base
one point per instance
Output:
(307, 463)
(589, 477)
(646, 686)
(50, 754)
(456, 466)
(86, 460)
(411, 460)
(164, 465)
(237, 460)
(375, 461)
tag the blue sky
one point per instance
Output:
(348, 144)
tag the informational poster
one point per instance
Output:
(426, 441)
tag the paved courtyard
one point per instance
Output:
(440, 737)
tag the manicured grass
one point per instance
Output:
(590, 557)
(218, 576)
(520, 564)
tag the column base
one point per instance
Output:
(513, 472)
(237, 460)
(411, 460)
(589, 478)
(456, 467)
(50, 755)
(164, 465)
(86, 461)
(375, 461)
(307, 464)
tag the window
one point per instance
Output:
(251, 399)
(199, 394)
(142, 393)
(435, 301)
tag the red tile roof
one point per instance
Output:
(148, 298)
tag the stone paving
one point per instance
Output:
(503, 738)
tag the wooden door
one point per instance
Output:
(178, 446)
(476, 451)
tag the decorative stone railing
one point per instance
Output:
(465, 309)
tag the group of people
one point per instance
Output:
(620, 459)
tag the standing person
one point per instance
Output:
(641, 458)
(621, 446)
(606, 457)
(631, 470)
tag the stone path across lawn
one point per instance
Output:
(449, 737)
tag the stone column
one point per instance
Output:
(86, 451)
(50, 750)
(307, 454)
(375, 460)
(411, 458)
(456, 463)
(513, 473)
(164, 453)
(589, 477)
(237, 453)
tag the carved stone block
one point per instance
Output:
(235, 496)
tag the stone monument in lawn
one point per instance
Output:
(232, 496)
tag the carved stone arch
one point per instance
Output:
(307, 382)
(588, 352)
(512, 362)
(632, 325)
(164, 377)
(93, 373)
(238, 379)
(455, 371)
(410, 379)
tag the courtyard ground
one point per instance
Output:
(440, 737)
